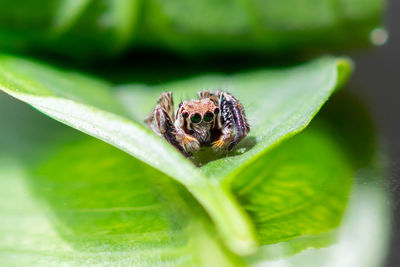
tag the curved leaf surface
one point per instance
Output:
(298, 188)
(88, 203)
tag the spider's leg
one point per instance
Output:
(188, 142)
(203, 94)
(207, 94)
(161, 113)
(166, 101)
(233, 121)
(161, 122)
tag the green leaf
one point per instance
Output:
(298, 188)
(97, 205)
(368, 199)
(68, 13)
(121, 211)
(279, 104)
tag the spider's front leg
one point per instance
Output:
(160, 120)
(189, 144)
(232, 121)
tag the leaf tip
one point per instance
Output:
(245, 247)
(344, 68)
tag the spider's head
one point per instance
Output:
(199, 117)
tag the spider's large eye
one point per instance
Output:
(208, 117)
(196, 118)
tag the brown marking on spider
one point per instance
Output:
(214, 119)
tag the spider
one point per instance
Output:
(214, 119)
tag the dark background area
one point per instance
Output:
(377, 81)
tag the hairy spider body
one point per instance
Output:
(214, 119)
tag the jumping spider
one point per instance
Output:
(215, 119)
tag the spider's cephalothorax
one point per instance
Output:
(214, 119)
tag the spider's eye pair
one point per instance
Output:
(196, 117)
(208, 117)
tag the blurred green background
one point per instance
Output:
(88, 29)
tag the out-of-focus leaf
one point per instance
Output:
(84, 28)
(355, 236)
(24, 24)
(356, 133)
(259, 25)
(279, 104)
(68, 13)
(78, 28)
(95, 27)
